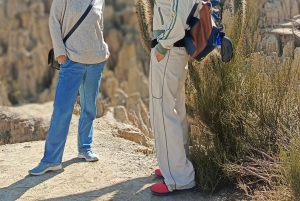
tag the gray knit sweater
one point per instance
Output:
(86, 44)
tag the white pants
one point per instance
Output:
(168, 118)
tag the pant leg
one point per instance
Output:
(181, 110)
(166, 124)
(68, 83)
(89, 90)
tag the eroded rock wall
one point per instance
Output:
(25, 41)
(26, 78)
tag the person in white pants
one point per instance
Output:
(168, 70)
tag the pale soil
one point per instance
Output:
(122, 173)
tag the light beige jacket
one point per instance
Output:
(169, 21)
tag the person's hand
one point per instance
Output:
(159, 56)
(61, 59)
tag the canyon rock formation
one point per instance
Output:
(26, 78)
(25, 41)
(277, 19)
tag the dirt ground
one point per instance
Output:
(123, 172)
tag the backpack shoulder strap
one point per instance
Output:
(192, 12)
(79, 21)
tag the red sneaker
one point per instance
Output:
(158, 173)
(160, 189)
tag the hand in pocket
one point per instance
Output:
(159, 56)
(61, 59)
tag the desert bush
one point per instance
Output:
(144, 10)
(290, 157)
(250, 108)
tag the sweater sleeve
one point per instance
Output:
(176, 27)
(55, 25)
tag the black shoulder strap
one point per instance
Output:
(79, 21)
(192, 12)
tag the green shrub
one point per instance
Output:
(208, 162)
(5, 137)
(249, 107)
(291, 160)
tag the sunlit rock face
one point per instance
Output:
(279, 21)
(279, 10)
(25, 42)
(26, 78)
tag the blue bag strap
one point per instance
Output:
(215, 2)
(79, 21)
(192, 12)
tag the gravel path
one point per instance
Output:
(123, 172)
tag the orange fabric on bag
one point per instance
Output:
(201, 31)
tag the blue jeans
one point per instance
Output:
(73, 76)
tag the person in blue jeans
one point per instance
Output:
(82, 58)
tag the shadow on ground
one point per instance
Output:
(29, 182)
(132, 190)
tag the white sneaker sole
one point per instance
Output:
(53, 168)
(88, 160)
